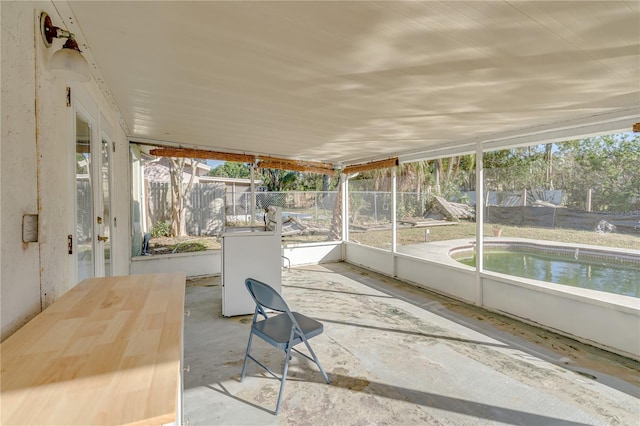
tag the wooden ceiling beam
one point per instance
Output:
(374, 165)
(273, 162)
(301, 166)
(202, 154)
(265, 162)
(285, 161)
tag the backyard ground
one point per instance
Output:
(381, 238)
(168, 245)
(410, 236)
(572, 352)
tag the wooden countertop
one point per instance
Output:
(107, 352)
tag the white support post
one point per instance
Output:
(233, 197)
(394, 231)
(345, 207)
(479, 222)
(253, 195)
(394, 194)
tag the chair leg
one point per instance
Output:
(284, 378)
(246, 357)
(317, 361)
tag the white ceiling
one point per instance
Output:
(346, 82)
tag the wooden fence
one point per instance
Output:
(204, 207)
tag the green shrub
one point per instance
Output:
(161, 229)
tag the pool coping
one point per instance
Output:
(618, 255)
(438, 252)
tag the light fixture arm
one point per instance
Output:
(67, 62)
(50, 31)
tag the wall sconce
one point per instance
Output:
(67, 62)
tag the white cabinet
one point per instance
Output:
(250, 253)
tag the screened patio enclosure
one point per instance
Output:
(323, 84)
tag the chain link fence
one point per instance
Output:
(311, 212)
(375, 206)
(209, 208)
(304, 206)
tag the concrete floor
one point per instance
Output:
(396, 355)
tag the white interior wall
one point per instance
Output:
(196, 264)
(370, 258)
(36, 145)
(209, 262)
(610, 321)
(452, 280)
(20, 262)
(311, 253)
(54, 151)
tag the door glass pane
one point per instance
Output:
(106, 214)
(84, 200)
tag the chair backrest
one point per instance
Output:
(264, 295)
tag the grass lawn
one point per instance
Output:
(166, 245)
(408, 236)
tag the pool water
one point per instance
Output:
(614, 277)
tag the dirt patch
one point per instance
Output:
(356, 384)
(204, 281)
(575, 353)
(169, 245)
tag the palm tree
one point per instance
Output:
(335, 232)
(279, 180)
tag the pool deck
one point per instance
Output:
(439, 250)
(398, 355)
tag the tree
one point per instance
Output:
(279, 180)
(231, 169)
(608, 165)
(325, 184)
(179, 192)
(308, 181)
(516, 169)
(335, 232)
(437, 169)
(548, 158)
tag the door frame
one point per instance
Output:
(84, 105)
(106, 133)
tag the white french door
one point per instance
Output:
(91, 244)
(106, 148)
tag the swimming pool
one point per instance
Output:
(593, 269)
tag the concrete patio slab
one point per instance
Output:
(396, 355)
